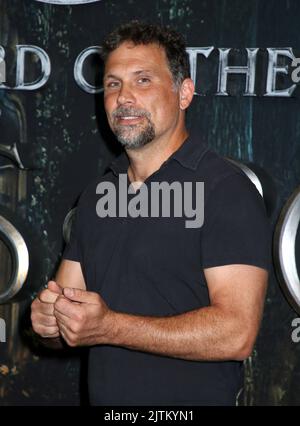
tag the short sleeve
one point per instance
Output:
(71, 251)
(236, 228)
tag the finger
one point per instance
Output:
(45, 320)
(56, 334)
(43, 308)
(68, 308)
(67, 335)
(61, 318)
(53, 286)
(48, 296)
(44, 331)
(63, 326)
(47, 309)
(83, 296)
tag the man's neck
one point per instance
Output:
(146, 160)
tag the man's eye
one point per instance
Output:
(144, 80)
(112, 84)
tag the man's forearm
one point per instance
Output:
(204, 334)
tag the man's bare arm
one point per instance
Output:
(44, 323)
(226, 330)
(69, 274)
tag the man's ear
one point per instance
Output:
(187, 90)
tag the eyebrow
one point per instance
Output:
(110, 76)
(138, 72)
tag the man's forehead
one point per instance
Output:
(132, 48)
(143, 56)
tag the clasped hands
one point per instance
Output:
(80, 317)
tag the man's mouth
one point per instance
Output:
(129, 119)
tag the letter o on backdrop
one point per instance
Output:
(285, 249)
(285, 236)
(25, 258)
(13, 241)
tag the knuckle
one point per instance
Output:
(36, 318)
(35, 327)
(35, 304)
(33, 316)
(97, 297)
(57, 305)
(51, 321)
(49, 331)
(75, 327)
(76, 292)
(46, 309)
(35, 323)
(50, 310)
(43, 331)
(43, 296)
(47, 296)
(71, 343)
(56, 331)
(80, 317)
(59, 301)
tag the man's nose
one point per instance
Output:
(126, 96)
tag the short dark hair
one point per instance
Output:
(143, 33)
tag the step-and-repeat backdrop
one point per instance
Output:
(245, 62)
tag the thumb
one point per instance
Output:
(52, 286)
(82, 296)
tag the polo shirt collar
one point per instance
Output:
(188, 155)
(190, 152)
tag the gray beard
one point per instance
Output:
(132, 139)
(135, 136)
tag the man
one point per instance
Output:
(169, 312)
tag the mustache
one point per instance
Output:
(127, 112)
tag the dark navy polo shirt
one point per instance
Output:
(155, 266)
